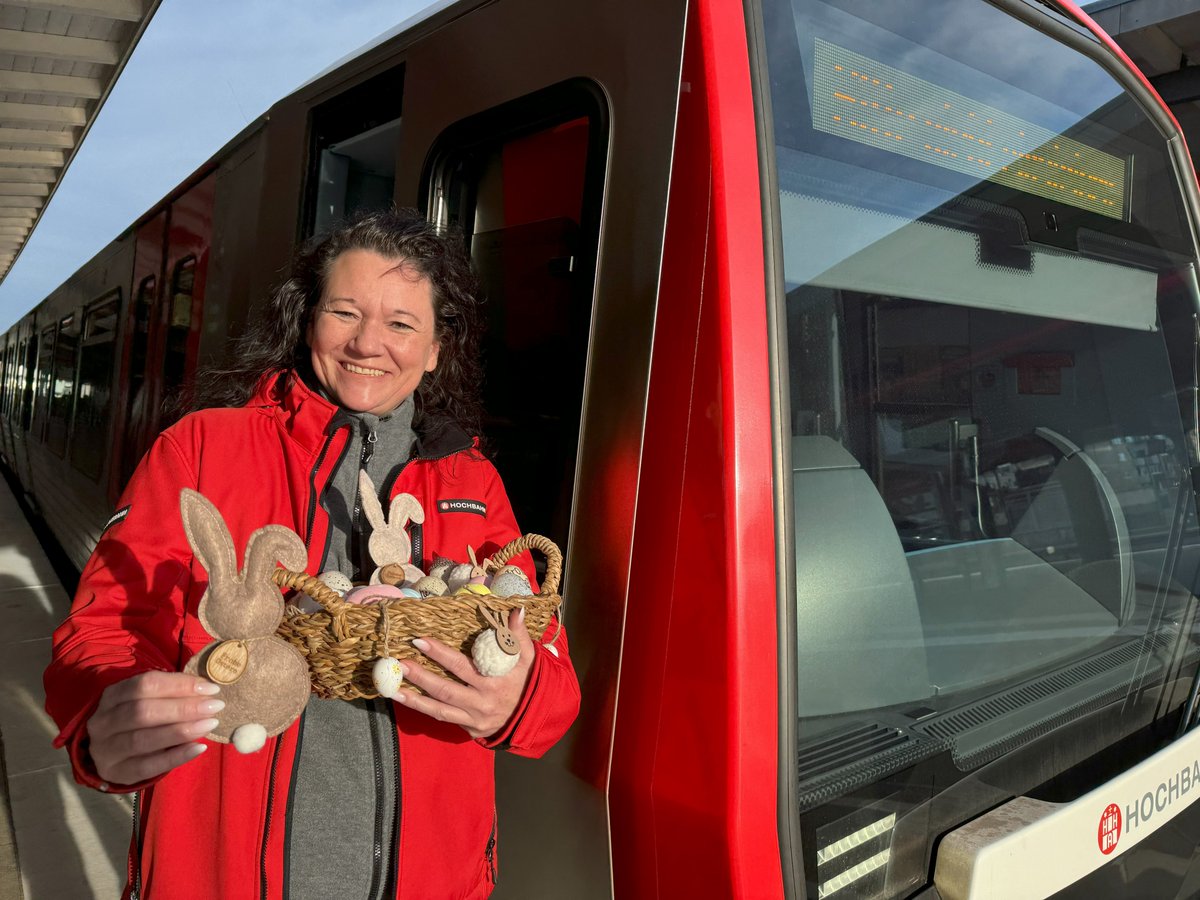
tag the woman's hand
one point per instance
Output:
(148, 724)
(482, 704)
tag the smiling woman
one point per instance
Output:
(374, 334)
(363, 362)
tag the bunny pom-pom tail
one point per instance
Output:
(249, 738)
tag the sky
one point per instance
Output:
(201, 72)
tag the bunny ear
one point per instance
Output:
(405, 508)
(370, 501)
(208, 536)
(269, 544)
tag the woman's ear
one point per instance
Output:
(431, 363)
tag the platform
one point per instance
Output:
(57, 839)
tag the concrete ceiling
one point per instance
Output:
(58, 61)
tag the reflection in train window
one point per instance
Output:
(28, 355)
(45, 361)
(62, 391)
(93, 403)
(136, 412)
(179, 328)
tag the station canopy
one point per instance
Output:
(1163, 38)
(58, 61)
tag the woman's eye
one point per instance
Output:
(344, 315)
(400, 326)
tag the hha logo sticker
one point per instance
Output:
(1109, 831)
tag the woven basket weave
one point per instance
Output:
(342, 641)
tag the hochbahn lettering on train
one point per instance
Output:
(1140, 811)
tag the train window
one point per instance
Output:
(62, 392)
(28, 353)
(10, 379)
(527, 201)
(93, 403)
(136, 412)
(995, 531)
(179, 327)
(353, 152)
(44, 383)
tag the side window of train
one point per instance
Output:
(523, 182)
(28, 354)
(93, 404)
(353, 152)
(62, 394)
(179, 325)
(136, 410)
(45, 363)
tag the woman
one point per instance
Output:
(366, 358)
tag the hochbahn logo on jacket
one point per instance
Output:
(463, 506)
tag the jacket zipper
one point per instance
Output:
(135, 862)
(394, 867)
(377, 766)
(267, 819)
(362, 561)
(490, 852)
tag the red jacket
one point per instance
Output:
(214, 827)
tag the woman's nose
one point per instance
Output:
(367, 338)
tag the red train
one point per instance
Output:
(847, 347)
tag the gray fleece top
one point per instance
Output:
(345, 800)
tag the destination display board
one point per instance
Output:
(872, 103)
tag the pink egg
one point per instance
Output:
(372, 593)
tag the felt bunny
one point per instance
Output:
(389, 545)
(264, 680)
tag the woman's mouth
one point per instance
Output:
(360, 370)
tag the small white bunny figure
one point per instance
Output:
(389, 544)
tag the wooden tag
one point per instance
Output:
(227, 662)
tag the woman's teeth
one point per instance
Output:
(359, 370)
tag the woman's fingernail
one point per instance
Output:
(204, 726)
(207, 687)
(421, 644)
(212, 706)
(401, 697)
(195, 750)
(521, 616)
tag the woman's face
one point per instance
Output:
(372, 334)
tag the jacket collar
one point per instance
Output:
(309, 418)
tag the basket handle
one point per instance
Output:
(313, 587)
(548, 548)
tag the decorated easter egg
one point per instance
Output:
(335, 581)
(432, 586)
(410, 592)
(373, 593)
(387, 675)
(471, 588)
(511, 583)
(441, 567)
(461, 574)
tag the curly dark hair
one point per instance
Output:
(275, 338)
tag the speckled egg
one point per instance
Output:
(441, 566)
(387, 675)
(335, 581)
(432, 586)
(511, 584)
(471, 588)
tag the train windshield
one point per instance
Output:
(990, 285)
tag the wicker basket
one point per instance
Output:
(342, 641)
